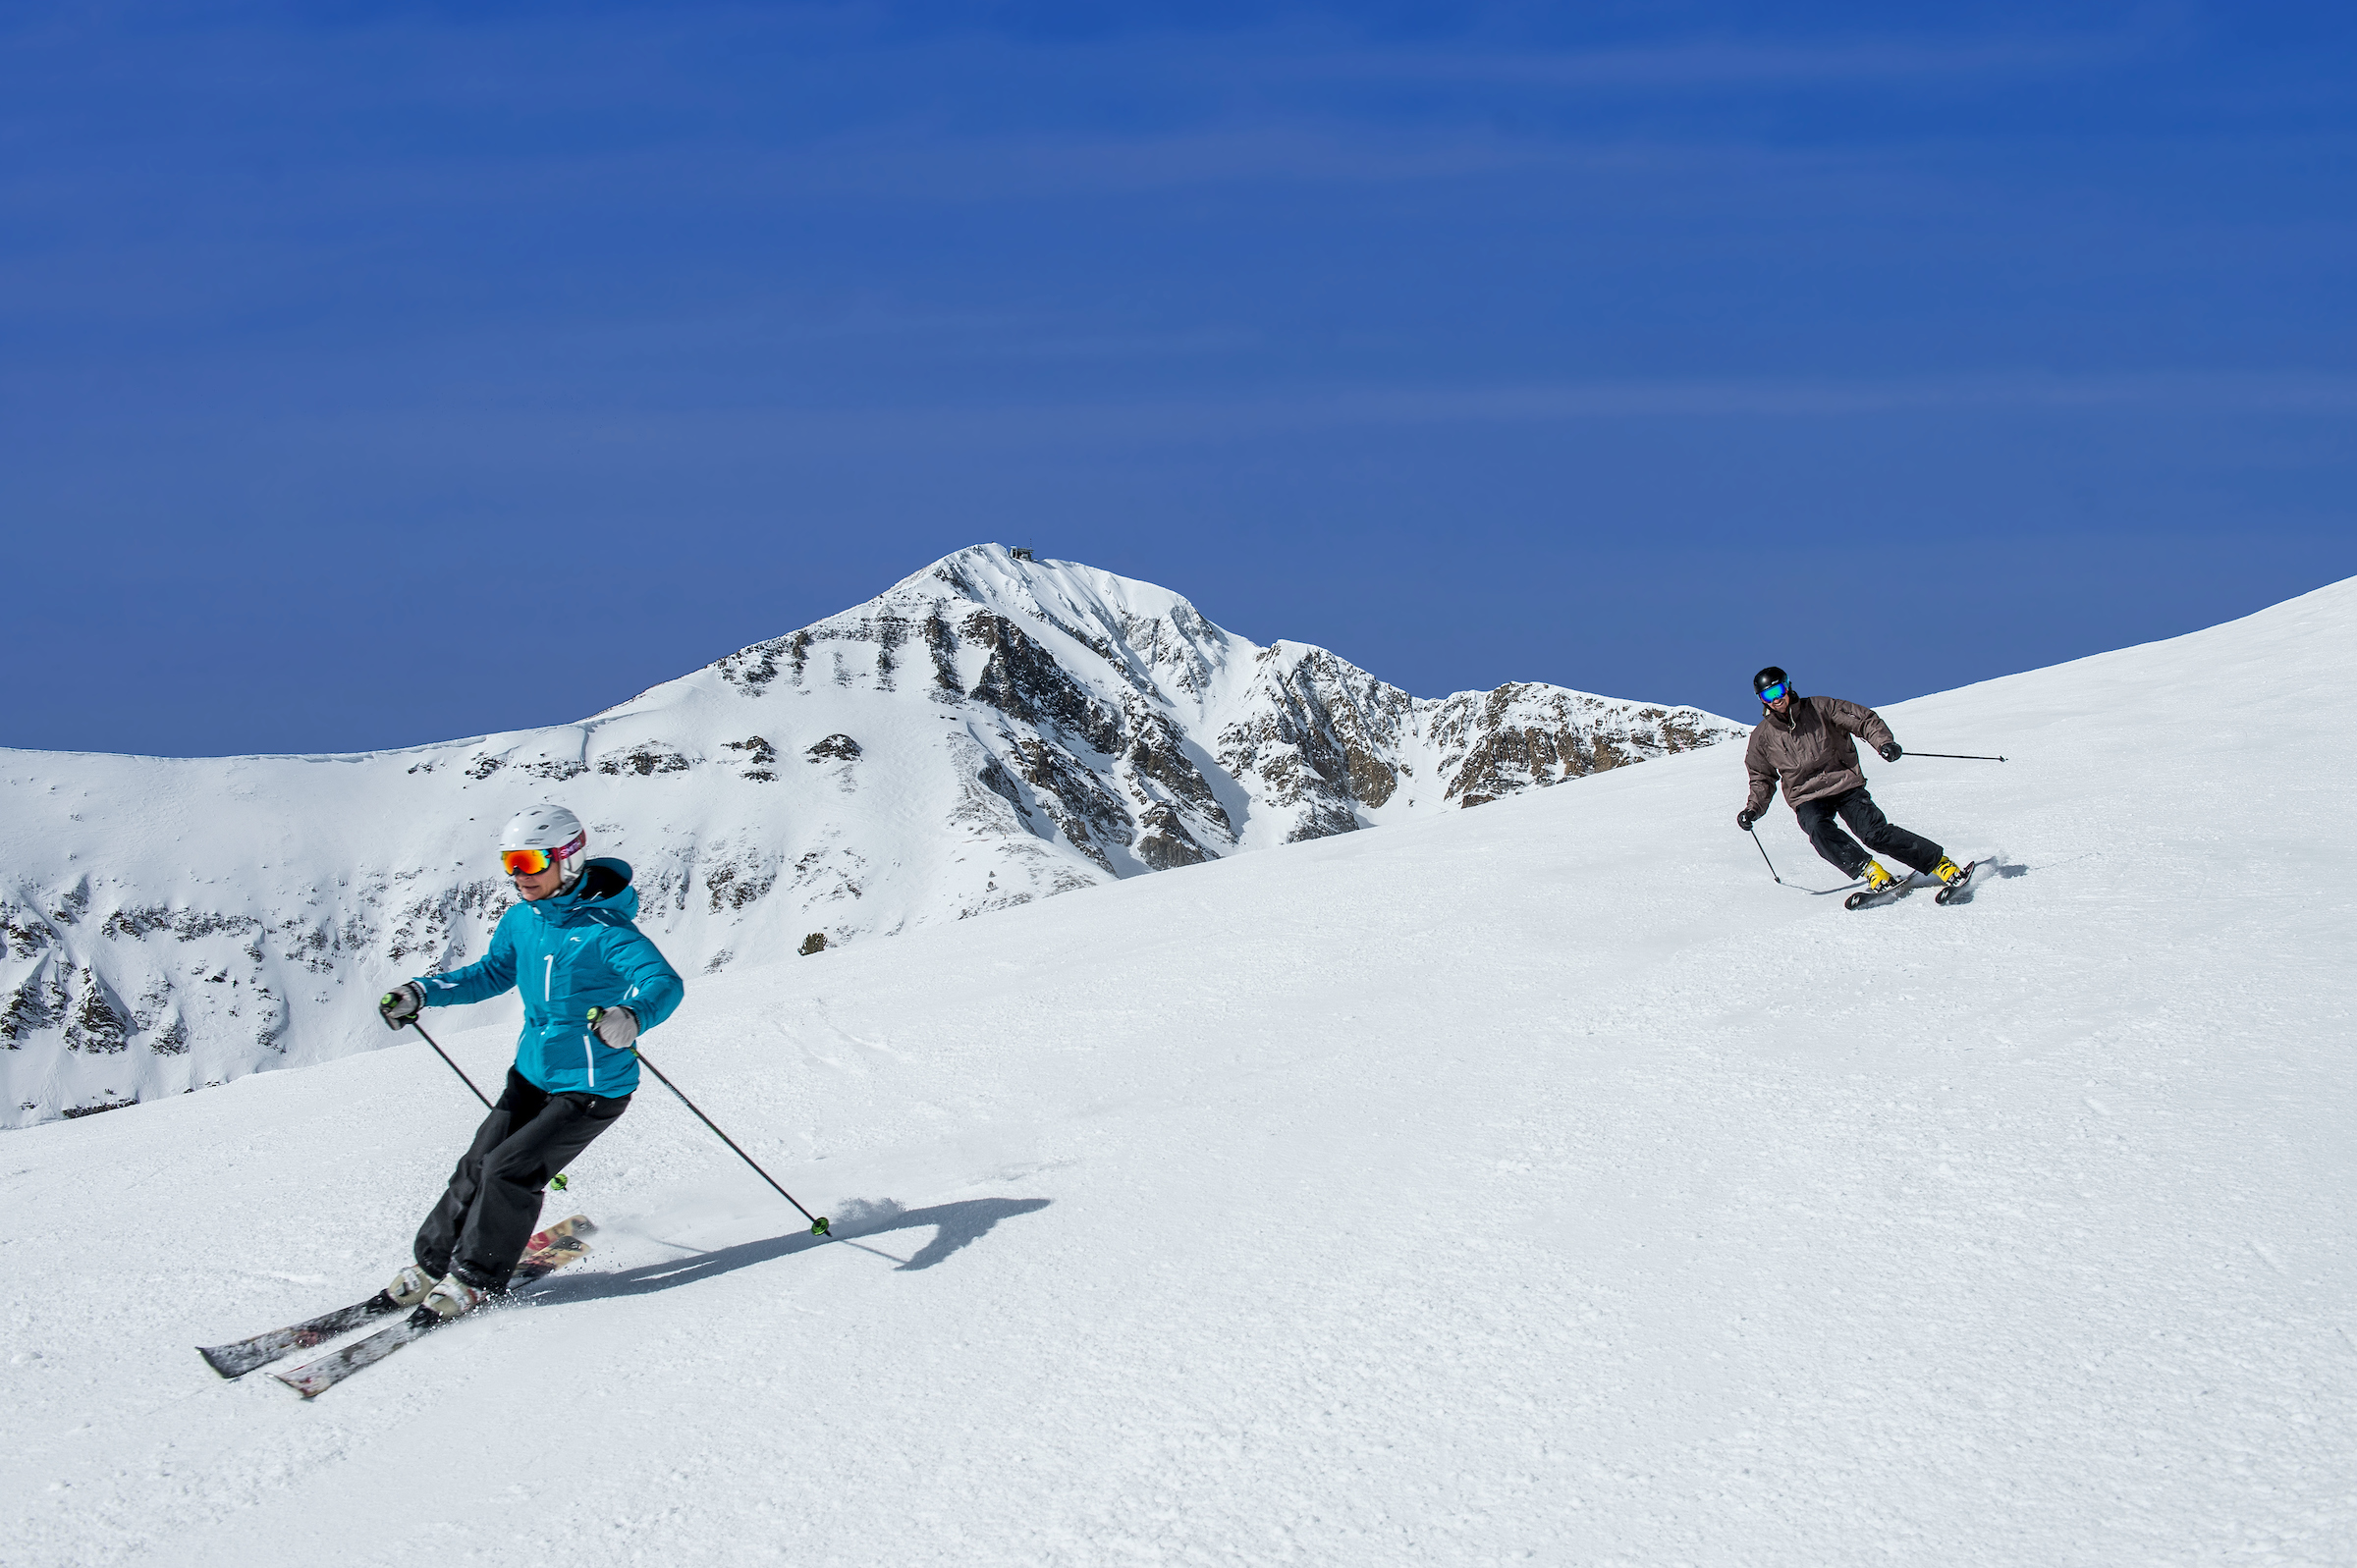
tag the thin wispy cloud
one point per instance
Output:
(1739, 63)
(600, 431)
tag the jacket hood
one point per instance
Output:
(603, 885)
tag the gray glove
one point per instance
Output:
(401, 1004)
(1744, 818)
(1892, 752)
(617, 1027)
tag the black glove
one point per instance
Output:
(617, 1027)
(1891, 751)
(1744, 818)
(401, 1004)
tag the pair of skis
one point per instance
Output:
(547, 1252)
(1899, 885)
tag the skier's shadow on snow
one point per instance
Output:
(954, 1226)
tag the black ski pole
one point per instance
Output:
(1763, 849)
(444, 1055)
(818, 1222)
(1955, 756)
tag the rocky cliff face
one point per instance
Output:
(988, 732)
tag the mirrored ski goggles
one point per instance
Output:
(1770, 693)
(532, 862)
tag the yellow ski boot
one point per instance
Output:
(1878, 883)
(1949, 871)
(1954, 876)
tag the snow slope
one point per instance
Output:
(1541, 1183)
(989, 731)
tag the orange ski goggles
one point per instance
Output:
(532, 862)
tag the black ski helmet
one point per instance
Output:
(1770, 677)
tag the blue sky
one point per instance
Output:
(371, 375)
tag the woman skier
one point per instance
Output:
(570, 947)
(1805, 742)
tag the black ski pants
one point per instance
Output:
(1857, 808)
(492, 1205)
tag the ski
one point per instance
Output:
(1895, 888)
(315, 1378)
(548, 1251)
(552, 1249)
(238, 1359)
(1956, 888)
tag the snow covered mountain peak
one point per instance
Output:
(988, 732)
(1151, 641)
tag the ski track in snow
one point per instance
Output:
(1541, 1183)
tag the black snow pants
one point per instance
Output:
(492, 1206)
(1857, 808)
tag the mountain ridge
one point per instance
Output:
(987, 732)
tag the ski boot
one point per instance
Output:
(408, 1287)
(1954, 876)
(453, 1298)
(1878, 883)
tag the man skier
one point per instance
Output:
(570, 947)
(1805, 741)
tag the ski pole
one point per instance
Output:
(818, 1222)
(1955, 756)
(1755, 838)
(444, 1055)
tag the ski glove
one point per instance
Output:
(1744, 820)
(617, 1027)
(1891, 751)
(402, 1003)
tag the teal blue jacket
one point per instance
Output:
(566, 954)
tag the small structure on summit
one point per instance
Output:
(1020, 552)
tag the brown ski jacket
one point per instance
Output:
(1810, 750)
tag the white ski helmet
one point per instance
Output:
(553, 829)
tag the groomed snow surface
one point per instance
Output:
(1542, 1183)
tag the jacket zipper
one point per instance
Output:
(589, 1060)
